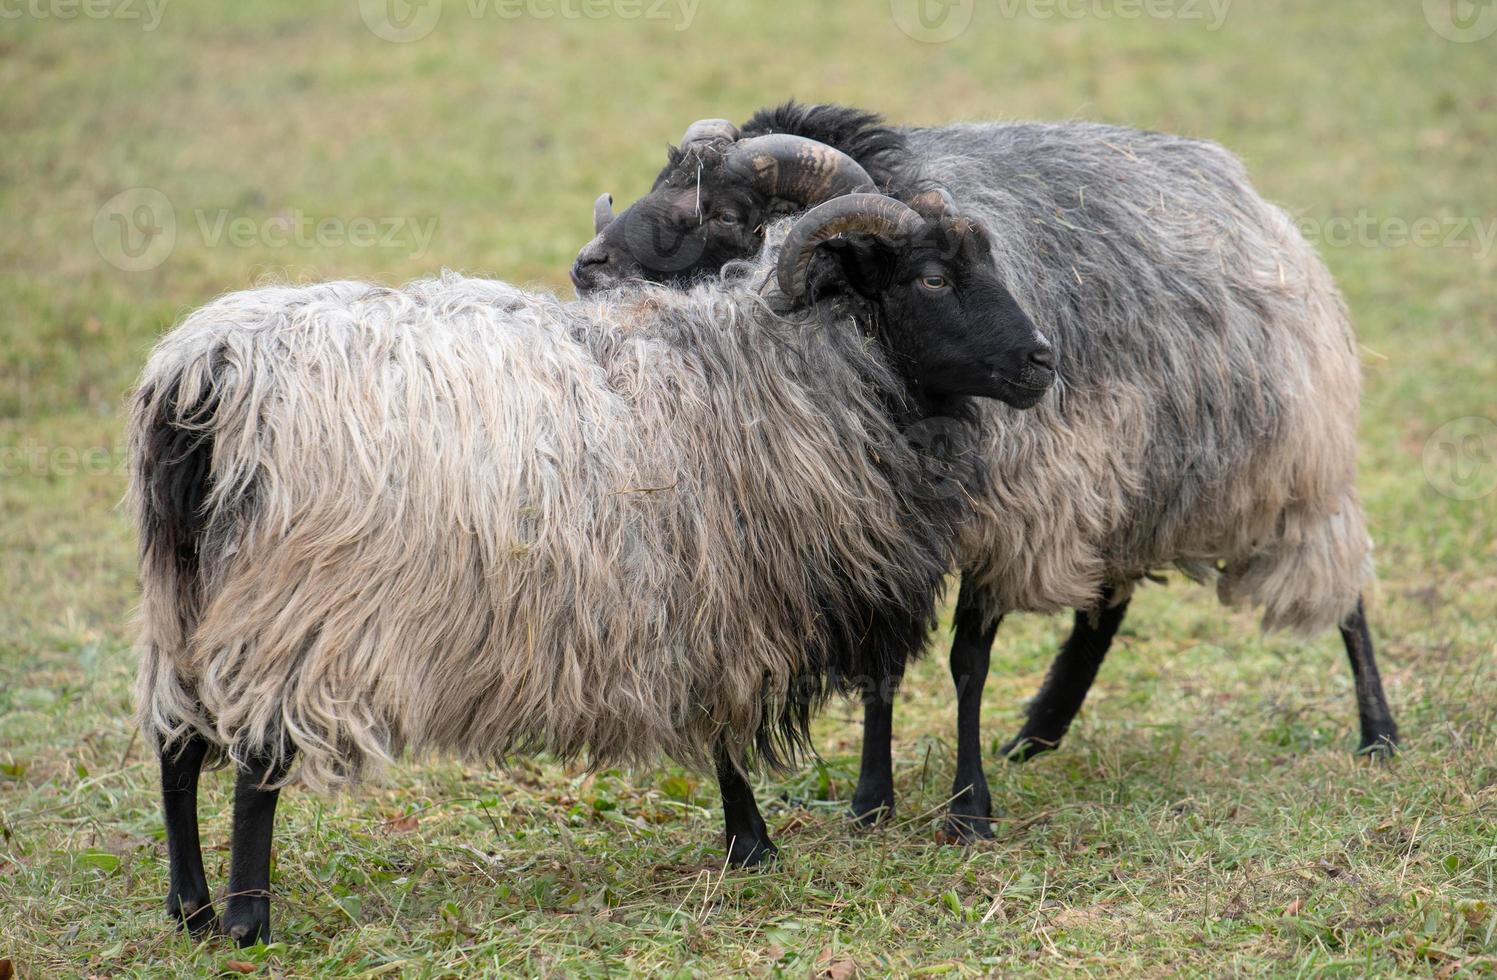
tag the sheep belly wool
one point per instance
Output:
(460, 517)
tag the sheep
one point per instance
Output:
(1205, 417)
(460, 517)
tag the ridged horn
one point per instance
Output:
(869, 214)
(704, 130)
(602, 213)
(934, 203)
(797, 169)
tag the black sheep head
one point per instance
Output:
(938, 307)
(710, 204)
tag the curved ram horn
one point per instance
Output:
(704, 130)
(797, 169)
(869, 214)
(602, 213)
(934, 203)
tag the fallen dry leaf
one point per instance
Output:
(7, 970)
(841, 970)
(1071, 918)
(1455, 966)
(829, 968)
(1295, 907)
(402, 825)
(240, 966)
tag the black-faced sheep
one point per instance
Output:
(1206, 412)
(460, 517)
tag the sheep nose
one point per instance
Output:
(1043, 357)
(588, 269)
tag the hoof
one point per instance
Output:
(752, 853)
(1382, 748)
(1026, 747)
(248, 926)
(195, 916)
(872, 809)
(966, 828)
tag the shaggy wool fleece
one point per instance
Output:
(1207, 409)
(457, 516)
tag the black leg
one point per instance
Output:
(1070, 677)
(971, 806)
(747, 836)
(873, 798)
(247, 910)
(187, 899)
(1379, 731)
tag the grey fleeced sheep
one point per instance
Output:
(460, 517)
(1206, 407)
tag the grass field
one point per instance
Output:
(1206, 815)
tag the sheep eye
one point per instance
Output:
(727, 217)
(934, 283)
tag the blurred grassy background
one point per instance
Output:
(1204, 817)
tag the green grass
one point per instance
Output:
(1205, 816)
